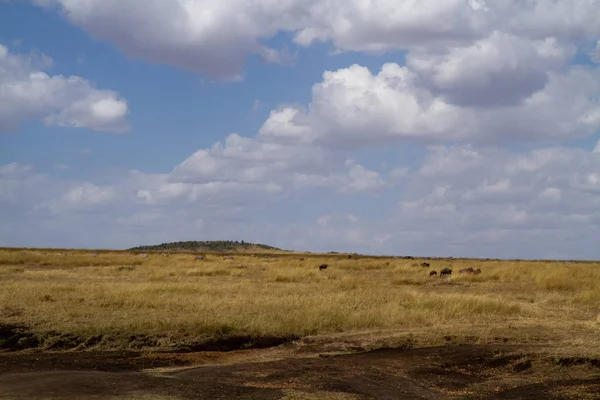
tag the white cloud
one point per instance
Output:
(363, 179)
(86, 196)
(251, 161)
(208, 36)
(215, 37)
(28, 93)
(352, 107)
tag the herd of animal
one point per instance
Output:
(444, 272)
(447, 271)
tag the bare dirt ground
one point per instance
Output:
(302, 372)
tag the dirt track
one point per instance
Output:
(452, 372)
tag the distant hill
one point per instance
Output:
(209, 246)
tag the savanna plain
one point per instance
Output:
(79, 324)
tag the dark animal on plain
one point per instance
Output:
(322, 267)
(349, 256)
(387, 263)
(425, 265)
(415, 265)
(445, 271)
(301, 259)
(477, 271)
(432, 273)
(466, 270)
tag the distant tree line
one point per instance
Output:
(212, 245)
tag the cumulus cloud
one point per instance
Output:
(215, 37)
(278, 166)
(26, 92)
(353, 107)
(208, 36)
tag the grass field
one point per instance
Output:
(121, 299)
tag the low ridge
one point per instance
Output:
(209, 246)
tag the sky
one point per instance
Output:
(395, 127)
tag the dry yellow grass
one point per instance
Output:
(178, 300)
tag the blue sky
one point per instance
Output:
(378, 130)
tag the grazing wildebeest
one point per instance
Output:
(425, 265)
(387, 263)
(445, 271)
(415, 265)
(470, 269)
(200, 258)
(349, 256)
(477, 271)
(432, 273)
(322, 267)
(301, 259)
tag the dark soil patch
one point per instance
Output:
(241, 342)
(548, 390)
(107, 361)
(440, 373)
(15, 338)
(571, 361)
